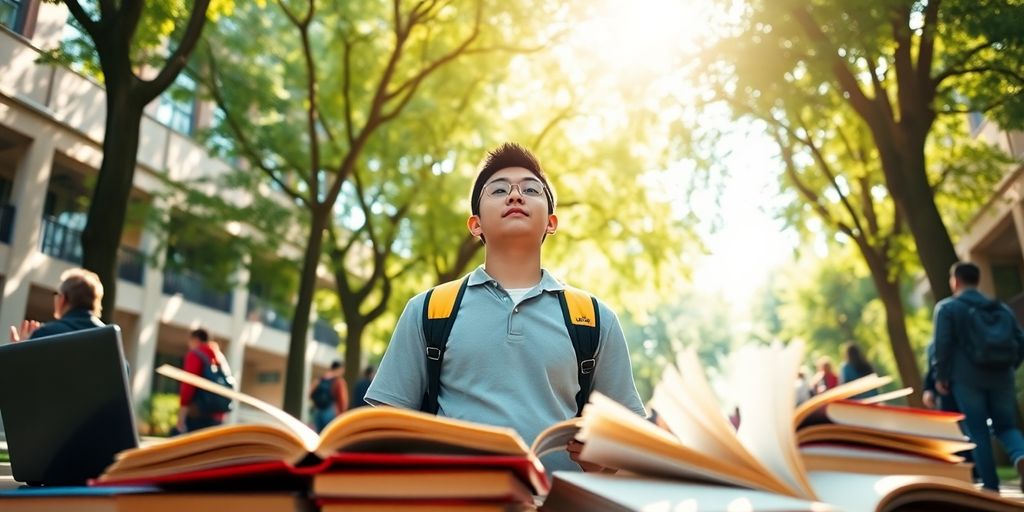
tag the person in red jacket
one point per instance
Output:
(190, 418)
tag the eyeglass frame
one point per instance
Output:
(518, 186)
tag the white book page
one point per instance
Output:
(854, 491)
(762, 378)
(309, 438)
(652, 494)
(694, 417)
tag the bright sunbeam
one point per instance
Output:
(643, 38)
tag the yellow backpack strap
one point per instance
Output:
(440, 307)
(582, 321)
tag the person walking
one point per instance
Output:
(360, 387)
(854, 367)
(199, 408)
(329, 395)
(978, 347)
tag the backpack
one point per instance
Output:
(441, 306)
(205, 401)
(992, 335)
(323, 393)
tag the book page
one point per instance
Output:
(885, 397)
(309, 438)
(840, 392)
(763, 379)
(694, 417)
(616, 437)
(391, 429)
(646, 493)
(555, 437)
(854, 491)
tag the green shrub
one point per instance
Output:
(159, 414)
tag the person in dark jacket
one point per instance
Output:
(982, 392)
(76, 306)
(359, 389)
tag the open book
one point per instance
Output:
(363, 438)
(700, 449)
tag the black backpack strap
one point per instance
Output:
(440, 307)
(582, 321)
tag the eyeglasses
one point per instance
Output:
(501, 188)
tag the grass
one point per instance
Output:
(4, 457)
(1007, 474)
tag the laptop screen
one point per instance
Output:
(65, 405)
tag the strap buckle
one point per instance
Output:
(433, 353)
(587, 366)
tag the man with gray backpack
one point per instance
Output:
(978, 347)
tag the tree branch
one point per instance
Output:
(926, 49)
(954, 69)
(90, 25)
(149, 90)
(847, 82)
(247, 146)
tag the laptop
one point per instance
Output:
(66, 405)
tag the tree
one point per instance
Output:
(899, 66)
(124, 35)
(324, 79)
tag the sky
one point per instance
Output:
(749, 241)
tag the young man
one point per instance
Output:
(329, 395)
(508, 360)
(201, 351)
(76, 306)
(983, 391)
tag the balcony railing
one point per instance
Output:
(325, 333)
(268, 315)
(193, 288)
(6, 223)
(65, 242)
(131, 264)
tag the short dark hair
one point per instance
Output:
(509, 154)
(200, 334)
(966, 272)
(335, 365)
(82, 289)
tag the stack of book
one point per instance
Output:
(830, 453)
(366, 459)
(849, 435)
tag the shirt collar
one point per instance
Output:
(77, 312)
(548, 282)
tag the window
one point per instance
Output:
(974, 120)
(178, 104)
(10, 13)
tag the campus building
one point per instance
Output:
(51, 131)
(994, 237)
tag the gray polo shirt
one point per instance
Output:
(505, 364)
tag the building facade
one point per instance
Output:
(994, 238)
(51, 132)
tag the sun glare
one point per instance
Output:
(646, 37)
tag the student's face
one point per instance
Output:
(515, 214)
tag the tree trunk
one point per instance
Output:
(903, 353)
(295, 376)
(102, 235)
(901, 151)
(934, 246)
